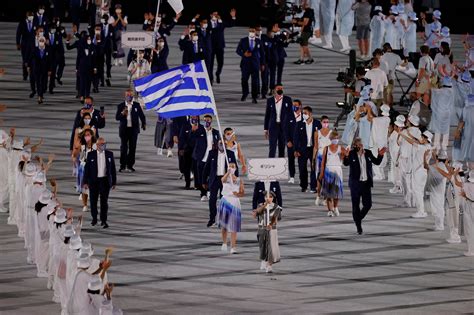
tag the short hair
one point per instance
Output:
(387, 47)
(308, 108)
(324, 117)
(446, 50)
(333, 134)
(377, 51)
(207, 116)
(89, 97)
(228, 129)
(360, 70)
(297, 101)
(424, 49)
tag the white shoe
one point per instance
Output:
(292, 180)
(233, 250)
(454, 239)
(204, 198)
(263, 265)
(80, 197)
(120, 62)
(116, 62)
(170, 153)
(85, 209)
(315, 40)
(224, 247)
(336, 212)
(469, 254)
(439, 228)
(312, 191)
(345, 49)
(317, 202)
(268, 269)
(192, 176)
(419, 214)
(160, 151)
(330, 214)
(327, 46)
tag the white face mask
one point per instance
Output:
(97, 32)
(161, 44)
(30, 18)
(335, 141)
(41, 34)
(232, 170)
(305, 116)
(252, 34)
(140, 56)
(42, 44)
(89, 42)
(52, 31)
(195, 38)
(41, 11)
(158, 19)
(191, 30)
(204, 26)
(214, 18)
(87, 121)
(102, 21)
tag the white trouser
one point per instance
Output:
(468, 219)
(327, 39)
(344, 42)
(440, 142)
(437, 198)
(407, 184)
(419, 182)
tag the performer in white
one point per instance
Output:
(377, 29)
(394, 148)
(468, 196)
(442, 103)
(436, 185)
(420, 154)
(344, 22)
(379, 139)
(327, 16)
(4, 172)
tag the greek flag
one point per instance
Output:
(181, 91)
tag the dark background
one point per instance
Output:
(457, 14)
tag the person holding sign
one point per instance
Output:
(268, 214)
(229, 215)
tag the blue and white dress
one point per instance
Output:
(323, 141)
(332, 180)
(80, 168)
(229, 215)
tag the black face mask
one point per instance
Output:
(39, 206)
(280, 92)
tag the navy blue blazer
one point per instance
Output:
(209, 174)
(90, 170)
(270, 122)
(137, 116)
(300, 139)
(108, 39)
(217, 34)
(26, 39)
(200, 139)
(187, 47)
(40, 65)
(96, 120)
(185, 139)
(352, 160)
(258, 54)
(290, 126)
(56, 44)
(259, 196)
(269, 45)
(206, 39)
(159, 60)
(44, 22)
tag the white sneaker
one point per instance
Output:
(85, 209)
(345, 49)
(439, 228)
(268, 269)
(292, 180)
(315, 40)
(116, 62)
(263, 265)
(419, 214)
(317, 202)
(233, 250)
(170, 153)
(469, 254)
(80, 197)
(312, 191)
(327, 46)
(160, 151)
(192, 176)
(454, 239)
(330, 214)
(224, 247)
(120, 62)
(204, 198)
(336, 212)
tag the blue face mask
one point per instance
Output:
(129, 98)
(208, 124)
(194, 121)
(87, 105)
(295, 108)
(102, 147)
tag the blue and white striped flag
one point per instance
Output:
(181, 91)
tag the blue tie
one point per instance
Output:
(52, 38)
(41, 53)
(195, 47)
(29, 26)
(251, 44)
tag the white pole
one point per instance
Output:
(156, 17)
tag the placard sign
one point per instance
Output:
(137, 40)
(270, 169)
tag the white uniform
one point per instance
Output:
(453, 200)
(436, 184)
(394, 173)
(32, 194)
(468, 217)
(405, 165)
(419, 176)
(377, 31)
(327, 16)
(78, 301)
(4, 177)
(378, 140)
(344, 22)
(410, 38)
(13, 160)
(42, 243)
(389, 32)
(442, 104)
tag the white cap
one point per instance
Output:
(68, 230)
(60, 216)
(415, 120)
(416, 133)
(75, 242)
(401, 118)
(457, 164)
(18, 144)
(39, 177)
(437, 14)
(45, 197)
(378, 8)
(83, 261)
(442, 155)
(94, 266)
(399, 124)
(30, 169)
(95, 284)
(428, 135)
(385, 110)
(86, 248)
(51, 208)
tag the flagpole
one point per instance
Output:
(208, 82)
(155, 29)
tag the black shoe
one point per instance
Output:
(254, 100)
(122, 169)
(210, 223)
(108, 82)
(131, 169)
(94, 222)
(102, 223)
(304, 190)
(25, 78)
(298, 62)
(59, 81)
(105, 226)
(218, 78)
(243, 98)
(101, 84)
(264, 97)
(309, 61)
(78, 96)
(51, 92)
(32, 94)
(359, 229)
(40, 100)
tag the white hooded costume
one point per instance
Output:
(442, 103)
(379, 139)
(468, 216)
(436, 185)
(4, 172)
(344, 22)
(14, 157)
(42, 235)
(327, 16)
(377, 31)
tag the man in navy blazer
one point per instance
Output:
(205, 138)
(182, 129)
(107, 34)
(129, 115)
(279, 109)
(304, 147)
(291, 122)
(217, 27)
(253, 60)
(360, 161)
(205, 36)
(97, 119)
(99, 177)
(40, 66)
(25, 40)
(192, 47)
(56, 44)
(214, 169)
